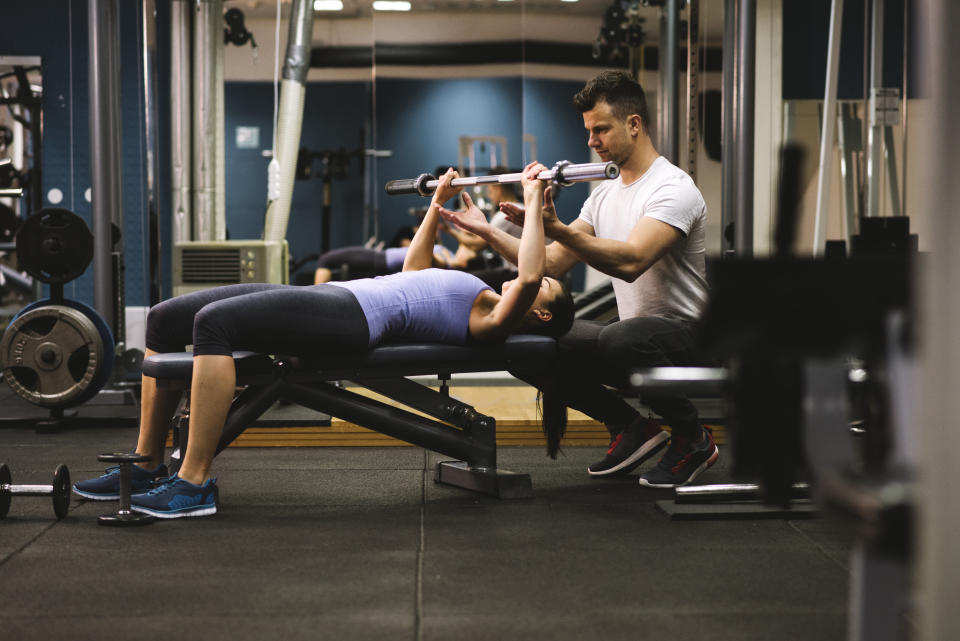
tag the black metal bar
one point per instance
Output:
(435, 403)
(247, 408)
(392, 421)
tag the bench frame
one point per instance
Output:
(452, 428)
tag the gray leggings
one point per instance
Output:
(260, 317)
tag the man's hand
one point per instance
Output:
(515, 213)
(469, 218)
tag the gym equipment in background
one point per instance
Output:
(56, 353)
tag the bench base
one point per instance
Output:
(496, 482)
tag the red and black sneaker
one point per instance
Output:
(682, 462)
(635, 444)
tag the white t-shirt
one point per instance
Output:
(675, 286)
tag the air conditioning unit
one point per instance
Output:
(204, 264)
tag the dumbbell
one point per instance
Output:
(60, 491)
(124, 515)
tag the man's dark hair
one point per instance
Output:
(616, 88)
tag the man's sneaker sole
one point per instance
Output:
(650, 447)
(706, 464)
(178, 514)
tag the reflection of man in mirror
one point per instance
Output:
(645, 230)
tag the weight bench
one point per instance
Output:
(452, 428)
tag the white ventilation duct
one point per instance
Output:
(290, 117)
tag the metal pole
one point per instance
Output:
(875, 139)
(728, 173)
(746, 76)
(935, 394)
(828, 130)
(693, 87)
(104, 98)
(150, 129)
(208, 207)
(670, 87)
(181, 175)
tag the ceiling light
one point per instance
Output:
(569, 0)
(327, 5)
(391, 5)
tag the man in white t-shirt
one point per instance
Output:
(645, 230)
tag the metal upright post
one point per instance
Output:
(935, 394)
(693, 87)
(150, 127)
(104, 99)
(744, 126)
(875, 138)
(669, 84)
(828, 129)
(181, 136)
(728, 191)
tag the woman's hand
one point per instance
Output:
(445, 191)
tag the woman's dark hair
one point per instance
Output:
(616, 88)
(561, 310)
(553, 417)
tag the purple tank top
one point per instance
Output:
(429, 304)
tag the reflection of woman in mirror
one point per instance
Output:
(347, 263)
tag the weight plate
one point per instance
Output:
(103, 374)
(51, 355)
(54, 245)
(4, 493)
(61, 491)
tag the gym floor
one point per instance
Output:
(359, 543)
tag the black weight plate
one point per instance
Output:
(61, 491)
(54, 245)
(4, 494)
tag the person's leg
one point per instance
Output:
(291, 320)
(169, 329)
(659, 342)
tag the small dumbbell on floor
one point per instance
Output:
(124, 515)
(59, 491)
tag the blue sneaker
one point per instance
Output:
(107, 486)
(174, 498)
(683, 462)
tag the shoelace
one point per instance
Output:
(110, 471)
(161, 485)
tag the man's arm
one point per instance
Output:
(559, 260)
(627, 259)
(648, 241)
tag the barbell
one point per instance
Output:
(59, 491)
(563, 174)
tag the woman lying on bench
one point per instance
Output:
(422, 304)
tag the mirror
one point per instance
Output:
(21, 121)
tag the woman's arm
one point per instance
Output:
(509, 311)
(420, 254)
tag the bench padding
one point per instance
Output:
(406, 358)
